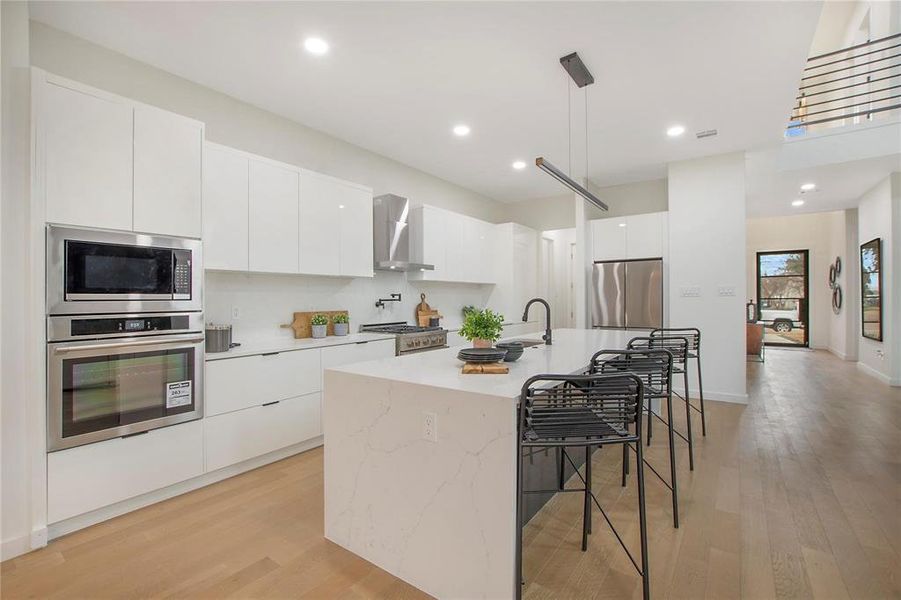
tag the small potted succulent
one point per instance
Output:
(319, 324)
(482, 327)
(341, 322)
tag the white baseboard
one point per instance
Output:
(874, 373)
(67, 526)
(21, 545)
(838, 353)
(726, 397)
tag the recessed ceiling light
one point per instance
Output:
(808, 186)
(315, 45)
(340, 206)
(798, 202)
(675, 131)
(622, 224)
(519, 165)
(461, 130)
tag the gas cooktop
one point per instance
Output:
(410, 338)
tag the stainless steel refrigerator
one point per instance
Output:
(628, 294)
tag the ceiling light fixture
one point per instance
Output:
(622, 224)
(675, 131)
(807, 187)
(798, 202)
(560, 176)
(315, 45)
(461, 130)
(582, 77)
(519, 165)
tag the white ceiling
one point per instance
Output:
(400, 74)
(839, 186)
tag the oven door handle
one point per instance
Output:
(157, 342)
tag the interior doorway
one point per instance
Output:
(782, 297)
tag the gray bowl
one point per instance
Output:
(513, 354)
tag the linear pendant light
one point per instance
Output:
(582, 78)
(560, 176)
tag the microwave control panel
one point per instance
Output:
(181, 274)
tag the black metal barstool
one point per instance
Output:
(693, 335)
(582, 411)
(655, 369)
(678, 347)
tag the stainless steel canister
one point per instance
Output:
(218, 338)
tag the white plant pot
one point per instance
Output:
(341, 328)
(319, 331)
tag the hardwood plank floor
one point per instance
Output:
(797, 495)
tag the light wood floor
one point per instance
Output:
(794, 496)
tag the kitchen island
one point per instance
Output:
(420, 462)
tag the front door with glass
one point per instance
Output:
(782, 297)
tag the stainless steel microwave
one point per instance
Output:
(92, 271)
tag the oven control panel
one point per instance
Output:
(108, 325)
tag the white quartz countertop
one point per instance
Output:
(570, 352)
(289, 344)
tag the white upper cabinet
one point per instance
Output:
(319, 224)
(225, 206)
(84, 149)
(460, 247)
(335, 226)
(109, 162)
(273, 213)
(167, 176)
(634, 236)
(608, 239)
(355, 230)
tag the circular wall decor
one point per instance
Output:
(833, 275)
(837, 299)
(838, 266)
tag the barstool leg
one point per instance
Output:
(561, 479)
(650, 420)
(701, 394)
(691, 449)
(672, 460)
(518, 582)
(625, 463)
(642, 521)
(586, 509)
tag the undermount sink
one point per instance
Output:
(527, 343)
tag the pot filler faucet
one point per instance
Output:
(547, 317)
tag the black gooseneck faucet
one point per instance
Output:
(547, 317)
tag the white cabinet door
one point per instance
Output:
(225, 193)
(319, 225)
(167, 163)
(347, 354)
(431, 242)
(355, 222)
(84, 145)
(645, 235)
(245, 434)
(455, 233)
(608, 239)
(486, 252)
(273, 204)
(236, 383)
(89, 477)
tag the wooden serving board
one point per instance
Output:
(422, 317)
(301, 323)
(485, 369)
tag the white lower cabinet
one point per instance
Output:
(335, 356)
(89, 477)
(244, 434)
(237, 383)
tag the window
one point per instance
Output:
(871, 290)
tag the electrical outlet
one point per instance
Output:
(430, 426)
(236, 313)
(880, 353)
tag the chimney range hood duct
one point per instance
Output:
(391, 235)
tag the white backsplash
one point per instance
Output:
(265, 301)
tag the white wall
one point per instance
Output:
(878, 217)
(824, 236)
(707, 250)
(15, 408)
(560, 298)
(246, 127)
(843, 327)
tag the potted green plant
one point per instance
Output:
(319, 324)
(482, 327)
(341, 322)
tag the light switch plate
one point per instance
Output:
(692, 291)
(727, 290)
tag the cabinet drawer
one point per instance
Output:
(245, 434)
(336, 356)
(236, 383)
(89, 477)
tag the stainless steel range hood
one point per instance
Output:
(391, 235)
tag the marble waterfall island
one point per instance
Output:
(435, 506)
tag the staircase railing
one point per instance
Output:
(850, 85)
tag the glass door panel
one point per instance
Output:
(782, 293)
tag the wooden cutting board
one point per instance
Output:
(301, 323)
(424, 312)
(485, 369)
